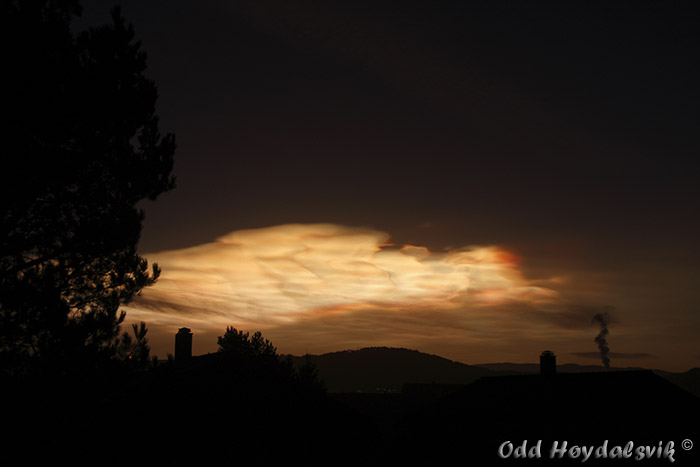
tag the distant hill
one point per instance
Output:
(535, 368)
(688, 380)
(386, 370)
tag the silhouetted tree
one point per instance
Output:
(308, 375)
(258, 353)
(134, 352)
(82, 148)
(242, 343)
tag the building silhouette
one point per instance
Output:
(183, 344)
(586, 408)
(548, 363)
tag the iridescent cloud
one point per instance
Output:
(283, 276)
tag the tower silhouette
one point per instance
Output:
(548, 363)
(183, 344)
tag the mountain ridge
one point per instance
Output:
(382, 369)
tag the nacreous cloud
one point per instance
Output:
(279, 275)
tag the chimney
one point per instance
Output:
(548, 363)
(183, 344)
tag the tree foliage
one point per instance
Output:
(256, 353)
(134, 351)
(237, 342)
(85, 148)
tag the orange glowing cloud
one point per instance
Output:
(284, 275)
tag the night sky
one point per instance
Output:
(471, 179)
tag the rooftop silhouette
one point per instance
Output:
(587, 407)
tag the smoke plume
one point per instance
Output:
(602, 338)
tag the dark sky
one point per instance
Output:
(565, 132)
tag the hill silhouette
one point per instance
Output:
(471, 409)
(518, 368)
(388, 369)
(260, 412)
(688, 380)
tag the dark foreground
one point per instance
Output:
(208, 411)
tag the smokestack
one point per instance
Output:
(183, 344)
(602, 338)
(548, 363)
